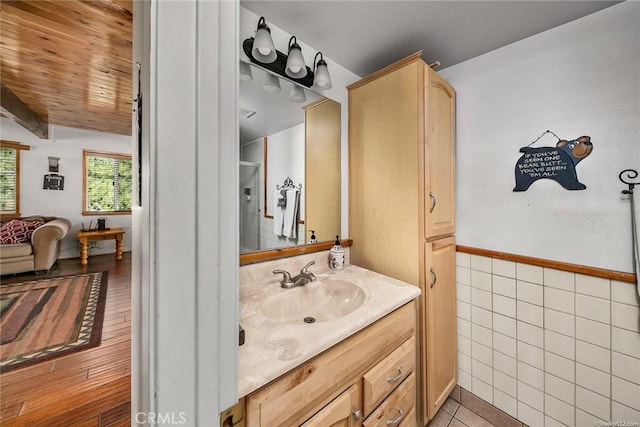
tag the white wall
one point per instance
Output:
(66, 143)
(582, 78)
(340, 79)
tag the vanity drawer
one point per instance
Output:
(385, 376)
(397, 409)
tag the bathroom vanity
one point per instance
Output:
(355, 363)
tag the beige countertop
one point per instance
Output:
(273, 348)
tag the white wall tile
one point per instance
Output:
(482, 335)
(594, 356)
(594, 286)
(505, 402)
(531, 334)
(626, 342)
(560, 322)
(504, 325)
(531, 355)
(559, 388)
(481, 263)
(559, 366)
(593, 403)
(504, 344)
(505, 383)
(463, 259)
(585, 419)
(559, 279)
(506, 364)
(464, 362)
(531, 376)
(593, 332)
(463, 275)
(625, 367)
(559, 410)
(624, 292)
(559, 344)
(593, 379)
(625, 392)
(502, 267)
(529, 273)
(504, 286)
(480, 316)
(529, 313)
(481, 280)
(482, 353)
(481, 298)
(529, 292)
(481, 371)
(593, 308)
(504, 305)
(531, 395)
(621, 412)
(530, 416)
(551, 422)
(625, 316)
(481, 389)
(464, 345)
(559, 300)
(463, 293)
(463, 310)
(464, 327)
(464, 379)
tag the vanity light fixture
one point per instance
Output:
(297, 94)
(263, 49)
(245, 71)
(271, 83)
(322, 79)
(295, 67)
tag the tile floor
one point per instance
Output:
(453, 414)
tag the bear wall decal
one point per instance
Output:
(557, 163)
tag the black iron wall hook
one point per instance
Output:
(630, 174)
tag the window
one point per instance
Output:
(106, 183)
(10, 178)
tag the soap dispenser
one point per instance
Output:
(336, 256)
(313, 237)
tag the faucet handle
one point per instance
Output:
(286, 277)
(305, 269)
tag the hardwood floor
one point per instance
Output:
(88, 388)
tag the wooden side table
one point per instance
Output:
(84, 237)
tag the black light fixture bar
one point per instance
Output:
(278, 66)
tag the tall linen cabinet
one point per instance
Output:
(401, 204)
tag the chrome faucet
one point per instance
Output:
(301, 279)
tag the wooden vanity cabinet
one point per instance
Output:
(347, 384)
(402, 203)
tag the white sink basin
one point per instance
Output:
(314, 302)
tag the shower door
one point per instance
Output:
(249, 206)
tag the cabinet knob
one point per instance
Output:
(396, 421)
(357, 415)
(433, 202)
(397, 377)
(434, 277)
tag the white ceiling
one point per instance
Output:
(364, 36)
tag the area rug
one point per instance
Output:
(48, 318)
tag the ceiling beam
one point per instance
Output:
(14, 108)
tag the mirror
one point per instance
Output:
(289, 163)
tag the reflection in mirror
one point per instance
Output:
(289, 163)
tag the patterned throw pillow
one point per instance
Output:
(18, 231)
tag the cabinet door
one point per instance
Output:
(343, 411)
(440, 155)
(441, 360)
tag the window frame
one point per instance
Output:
(18, 147)
(111, 155)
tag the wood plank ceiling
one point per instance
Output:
(70, 61)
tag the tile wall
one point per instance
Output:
(546, 346)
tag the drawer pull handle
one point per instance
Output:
(357, 415)
(434, 277)
(433, 202)
(393, 423)
(397, 377)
